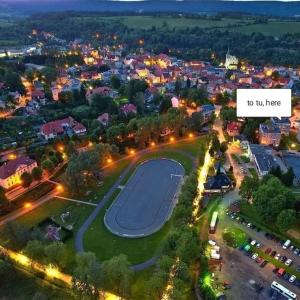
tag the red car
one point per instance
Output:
(268, 251)
(259, 260)
(280, 272)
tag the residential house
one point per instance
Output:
(233, 129)
(262, 158)
(10, 172)
(67, 126)
(207, 111)
(283, 124)
(269, 134)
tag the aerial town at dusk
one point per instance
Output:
(126, 171)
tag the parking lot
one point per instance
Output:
(245, 274)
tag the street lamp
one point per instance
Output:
(27, 205)
(172, 139)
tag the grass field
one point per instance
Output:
(107, 245)
(273, 28)
(246, 26)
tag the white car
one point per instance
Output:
(258, 245)
(249, 225)
(254, 256)
(288, 262)
(253, 243)
(292, 278)
(277, 256)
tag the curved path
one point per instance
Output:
(80, 233)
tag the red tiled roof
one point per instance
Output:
(11, 166)
(233, 126)
(56, 127)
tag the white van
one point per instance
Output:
(286, 244)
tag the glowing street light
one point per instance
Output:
(12, 156)
(152, 144)
(109, 160)
(27, 205)
(90, 144)
(132, 152)
(59, 188)
(61, 148)
(191, 135)
(172, 139)
(293, 145)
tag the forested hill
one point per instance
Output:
(258, 39)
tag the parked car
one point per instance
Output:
(277, 256)
(298, 269)
(292, 278)
(253, 243)
(283, 258)
(275, 270)
(296, 251)
(268, 251)
(264, 263)
(280, 272)
(288, 262)
(273, 253)
(258, 245)
(254, 256)
(259, 260)
(286, 276)
(286, 244)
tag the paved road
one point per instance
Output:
(24, 210)
(79, 247)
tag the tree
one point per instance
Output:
(286, 219)
(115, 82)
(288, 177)
(101, 103)
(48, 165)
(26, 179)
(118, 274)
(88, 269)
(165, 104)
(81, 168)
(195, 121)
(35, 249)
(37, 173)
(248, 186)
(156, 285)
(13, 82)
(49, 74)
(177, 87)
(3, 199)
(271, 198)
(17, 234)
(56, 254)
(65, 97)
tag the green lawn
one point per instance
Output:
(273, 28)
(138, 250)
(146, 22)
(105, 245)
(235, 236)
